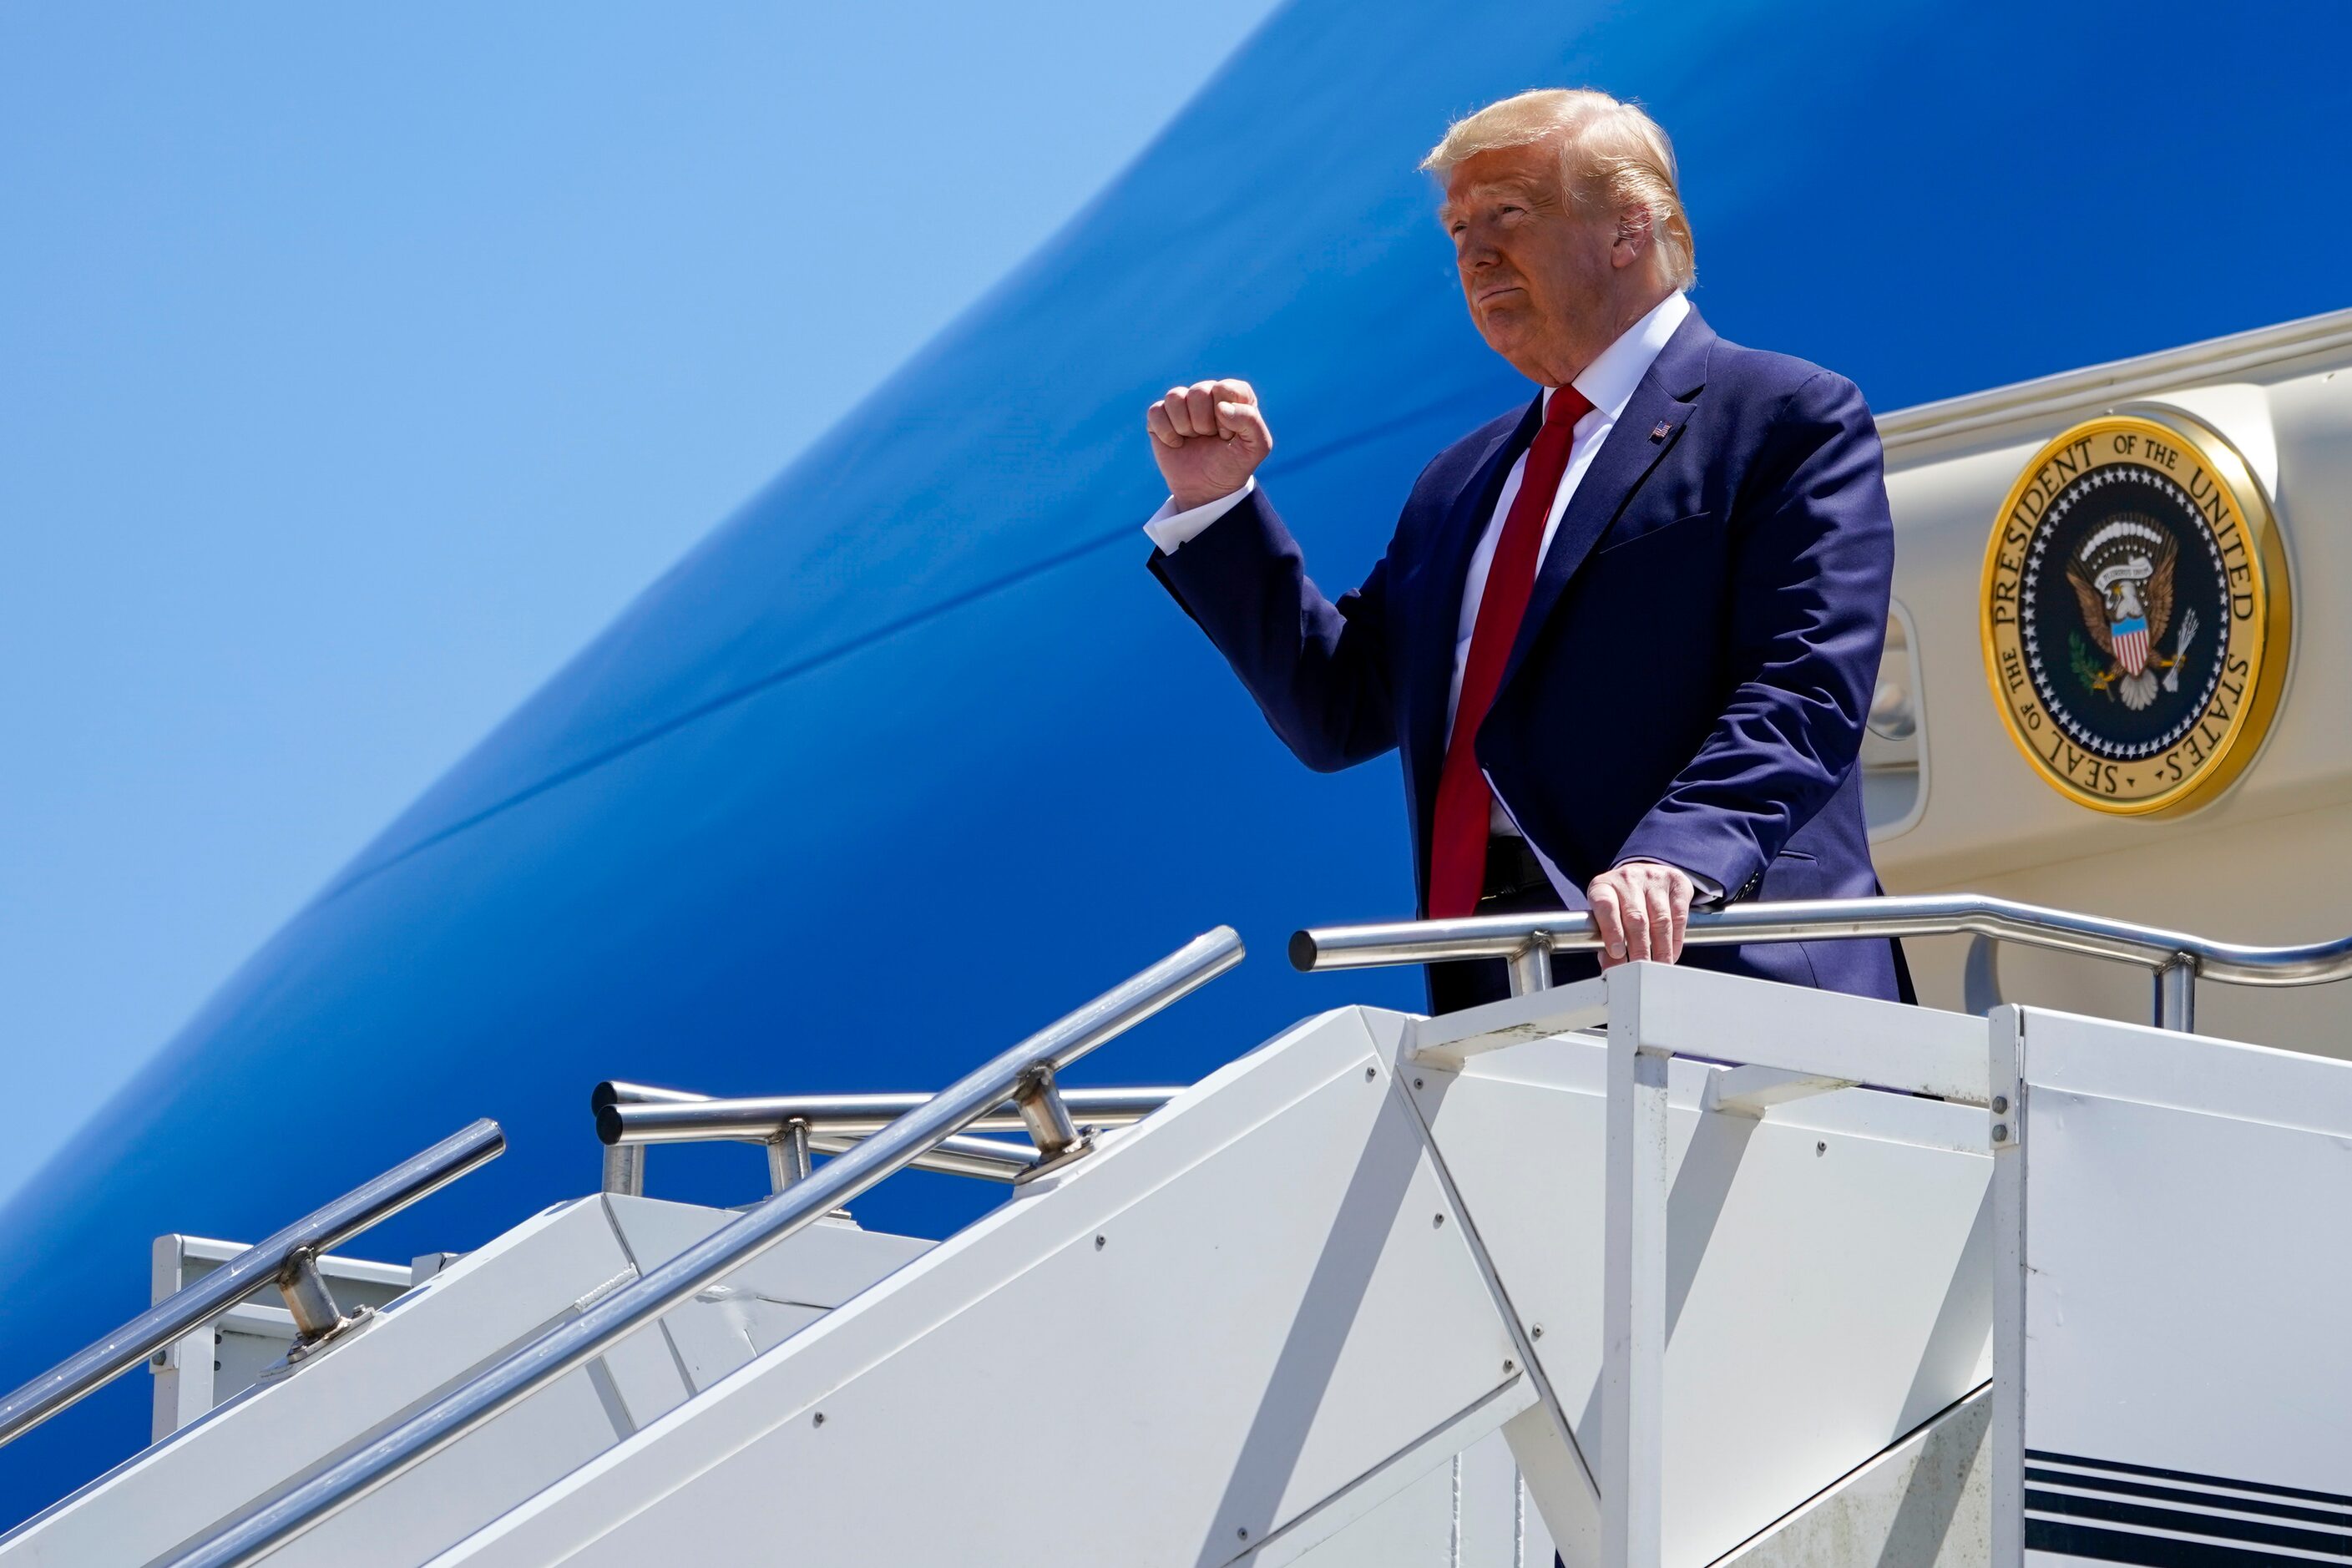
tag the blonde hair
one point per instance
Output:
(1610, 151)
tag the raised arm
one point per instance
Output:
(1319, 670)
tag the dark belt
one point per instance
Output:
(1512, 870)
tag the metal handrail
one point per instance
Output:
(632, 1116)
(265, 1263)
(598, 1327)
(990, 1159)
(2178, 958)
(760, 1118)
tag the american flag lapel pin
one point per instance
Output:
(1661, 430)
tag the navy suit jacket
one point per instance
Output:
(1690, 680)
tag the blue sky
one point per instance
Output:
(355, 368)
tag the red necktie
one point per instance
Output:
(1457, 840)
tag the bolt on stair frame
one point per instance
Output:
(577, 1339)
(288, 1261)
(630, 1116)
(2177, 960)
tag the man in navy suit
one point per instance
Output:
(1624, 637)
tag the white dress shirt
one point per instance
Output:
(1607, 384)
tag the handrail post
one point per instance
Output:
(2176, 993)
(1045, 1115)
(316, 1315)
(788, 1155)
(625, 1169)
(625, 1165)
(1531, 966)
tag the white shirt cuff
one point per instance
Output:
(1173, 530)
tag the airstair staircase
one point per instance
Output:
(1666, 1268)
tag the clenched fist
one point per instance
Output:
(1209, 437)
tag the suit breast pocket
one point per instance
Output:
(1688, 528)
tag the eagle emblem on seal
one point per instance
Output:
(2122, 578)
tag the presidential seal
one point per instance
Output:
(2134, 613)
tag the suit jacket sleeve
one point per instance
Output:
(1813, 557)
(1319, 671)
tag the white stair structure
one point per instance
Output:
(433, 1338)
(1666, 1267)
(1265, 1312)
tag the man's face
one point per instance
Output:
(1536, 271)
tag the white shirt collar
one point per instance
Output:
(1608, 382)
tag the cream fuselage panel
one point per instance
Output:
(2264, 861)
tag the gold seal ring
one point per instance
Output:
(2135, 613)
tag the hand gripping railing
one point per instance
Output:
(288, 1261)
(629, 1115)
(265, 1527)
(1527, 941)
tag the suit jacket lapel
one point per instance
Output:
(1439, 617)
(1635, 444)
